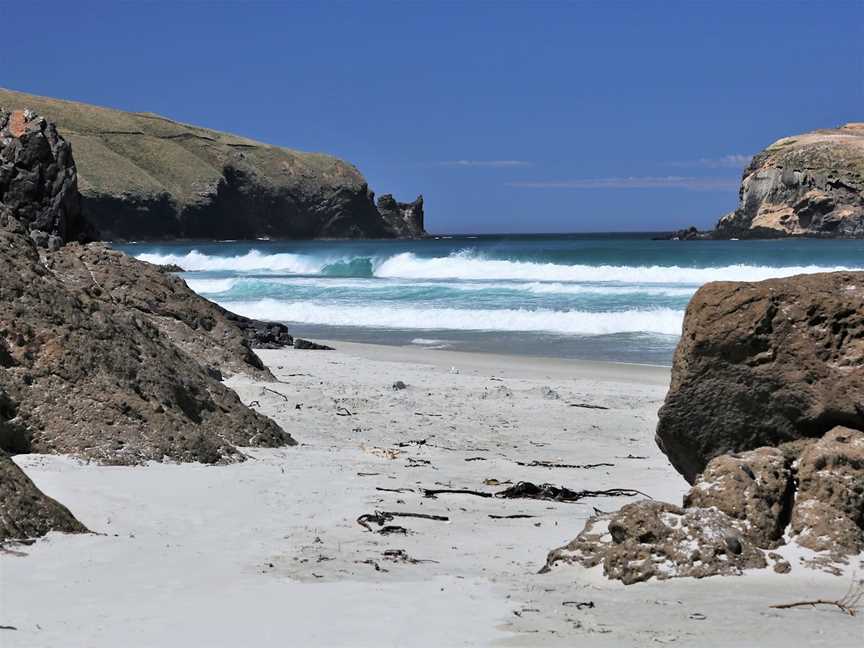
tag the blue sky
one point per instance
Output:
(508, 117)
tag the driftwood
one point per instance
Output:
(382, 517)
(394, 490)
(579, 604)
(849, 603)
(515, 516)
(434, 492)
(273, 391)
(588, 406)
(343, 411)
(400, 555)
(549, 464)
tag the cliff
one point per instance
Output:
(145, 177)
(809, 185)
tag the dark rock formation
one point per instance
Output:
(258, 334)
(805, 185)
(25, 511)
(94, 376)
(145, 177)
(689, 234)
(405, 219)
(38, 185)
(300, 343)
(760, 364)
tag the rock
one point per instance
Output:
(85, 357)
(406, 219)
(25, 511)
(145, 177)
(689, 234)
(651, 539)
(804, 185)
(261, 335)
(312, 346)
(762, 364)
(399, 385)
(38, 182)
(548, 393)
(829, 508)
(169, 267)
(203, 330)
(754, 488)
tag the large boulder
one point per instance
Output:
(95, 377)
(761, 364)
(146, 177)
(38, 182)
(804, 185)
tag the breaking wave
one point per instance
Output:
(665, 321)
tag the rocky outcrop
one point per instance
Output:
(829, 508)
(741, 508)
(25, 511)
(94, 376)
(405, 219)
(38, 184)
(761, 364)
(145, 177)
(806, 185)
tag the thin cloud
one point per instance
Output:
(492, 164)
(731, 161)
(645, 182)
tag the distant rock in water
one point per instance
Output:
(805, 185)
(764, 363)
(689, 234)
(405, 219)
(146, 177)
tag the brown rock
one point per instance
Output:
(829, 508)
(94, 377)
(658, 540)
(25, 511)
(754, 488)
(761, 364)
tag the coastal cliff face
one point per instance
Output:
(807, 185)
(145, 177)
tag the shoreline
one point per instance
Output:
(275, 541)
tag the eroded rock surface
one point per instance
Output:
(804, 185)
(764, 363)
(753, 488)
(829, 508)
(651, 539)
(95, 377)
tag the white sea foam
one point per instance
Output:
(662, 320)
(253, 260)
(211, 286)
(469, 266)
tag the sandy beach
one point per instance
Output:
(270, 552)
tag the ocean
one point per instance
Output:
(617, 297)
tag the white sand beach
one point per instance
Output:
(269, 551)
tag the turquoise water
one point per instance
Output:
(607, 297)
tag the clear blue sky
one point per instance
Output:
(517, 117)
